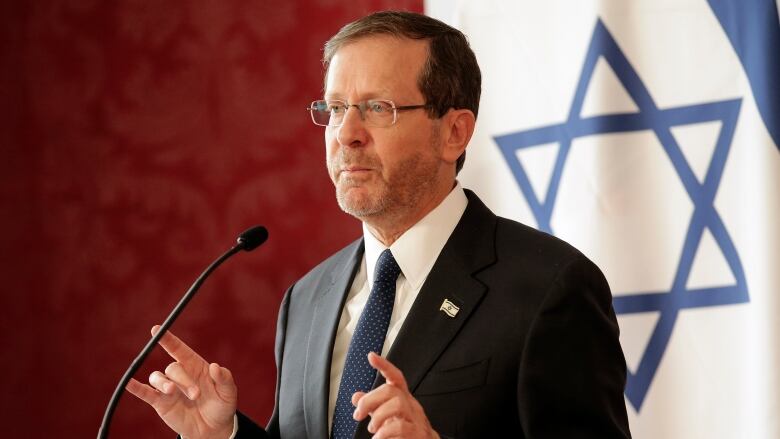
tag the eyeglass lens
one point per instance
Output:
(379, 113)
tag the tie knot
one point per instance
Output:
(387, 269)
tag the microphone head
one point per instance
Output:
(251, 238)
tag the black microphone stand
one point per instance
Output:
(249, 240)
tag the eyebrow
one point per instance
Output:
(381, 94)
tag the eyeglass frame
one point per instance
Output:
(362, 107)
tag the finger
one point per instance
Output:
(223, 381)
(176, 348)
(162, 383)
(356, 397)
(392, 374)
(143, 391)
(373, 399)
(393, 428)
(176, 373)
(390, 409)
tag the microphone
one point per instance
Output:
(252, 238)
(249, 240)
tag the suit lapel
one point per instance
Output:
(427, 331)
(325, 320)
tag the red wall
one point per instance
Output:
(138, 139)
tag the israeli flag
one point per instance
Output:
(647, 134)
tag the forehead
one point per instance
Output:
(376, 66)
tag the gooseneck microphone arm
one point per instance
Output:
(247, 241)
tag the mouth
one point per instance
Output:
(354, 170)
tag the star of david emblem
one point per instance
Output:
(649, 116)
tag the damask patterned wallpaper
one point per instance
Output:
(138, 139)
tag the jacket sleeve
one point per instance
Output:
(247, 429)
(573, 372)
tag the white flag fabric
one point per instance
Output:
(647, 134)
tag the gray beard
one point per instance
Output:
(361, 212)
(398, 198)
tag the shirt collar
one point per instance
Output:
(417, 249)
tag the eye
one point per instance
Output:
(336, 107)
(379, 107)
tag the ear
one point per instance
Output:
(457, 128)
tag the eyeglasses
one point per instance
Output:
(375, 112)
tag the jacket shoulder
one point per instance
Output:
(513, 235)
(334, 265)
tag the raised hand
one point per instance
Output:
(196, 399)
(394, 411)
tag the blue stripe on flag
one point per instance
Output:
(753, 27)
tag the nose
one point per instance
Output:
(352, 131)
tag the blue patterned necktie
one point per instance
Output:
(369, 336)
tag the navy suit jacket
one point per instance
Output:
(533, 351)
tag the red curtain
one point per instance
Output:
(139, 138)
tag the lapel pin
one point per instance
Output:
(449, 308)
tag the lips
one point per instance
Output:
(354, 174)
(355, 169)
(354, 166)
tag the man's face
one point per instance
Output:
(382, 172)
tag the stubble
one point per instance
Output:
(392, 194)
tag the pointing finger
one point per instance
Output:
(176, 348)
(392, 374)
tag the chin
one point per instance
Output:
(358, 203)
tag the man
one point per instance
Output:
(486, 327)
